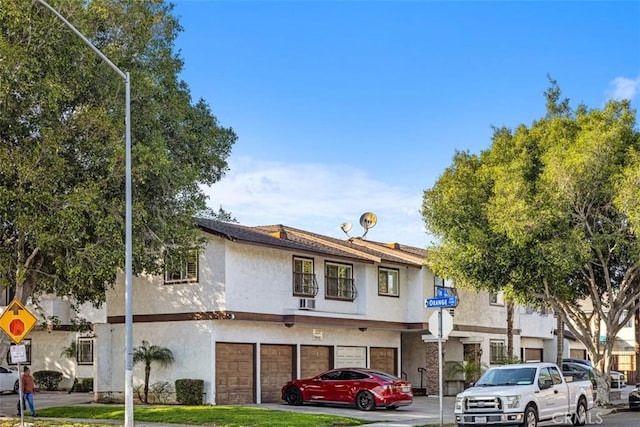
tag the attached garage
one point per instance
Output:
(315, 359)
(384, 359)
(276, 368)
(235, 373)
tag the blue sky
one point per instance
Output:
(344, 107)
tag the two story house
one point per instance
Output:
(259, 306)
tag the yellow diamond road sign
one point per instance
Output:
(16, 321)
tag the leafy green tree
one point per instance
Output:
(149, 354)
(551, 212)
(62, 146)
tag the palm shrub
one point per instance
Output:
(470, 370)
(149, 354)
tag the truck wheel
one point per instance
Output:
(580, 417)
(530, 417)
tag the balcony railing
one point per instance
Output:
(340, 288)
(305, 285)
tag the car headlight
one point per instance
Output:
(512, 402)
(459, 403)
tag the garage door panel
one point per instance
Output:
(314, 360)
(354, 357)
(276, 368)
(384, 359)
(235, 373)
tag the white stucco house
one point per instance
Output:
(262, 305)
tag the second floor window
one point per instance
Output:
(304, 279)
(181, 267)
(84, 353)
(388, 281)
(496, 298)
(339, 282)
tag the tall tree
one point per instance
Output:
(149, 354)
(550, 210)
(62, 145)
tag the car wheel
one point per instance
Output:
(580, 417)
(530, 417)
(16, 387)
(294, 396)
(365, 401)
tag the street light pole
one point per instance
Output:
(128, 280)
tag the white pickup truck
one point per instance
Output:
(523, 395)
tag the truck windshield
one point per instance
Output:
(506, 376)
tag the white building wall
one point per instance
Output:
(193, 346)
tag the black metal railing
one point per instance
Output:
(340, 288)
(305, 285)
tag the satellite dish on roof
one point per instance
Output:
(368, 220)
(346, 227)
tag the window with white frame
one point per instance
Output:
(27, 346)
(339, 282)
(496, 351)
(388, 281)
(84, 353)
(496, 298)
(304, 278)
(181, 266)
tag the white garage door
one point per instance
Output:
(351, 357)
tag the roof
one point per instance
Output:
(289, 238)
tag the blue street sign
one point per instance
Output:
(442, 292)
(446, 302)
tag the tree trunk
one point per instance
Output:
(559, 339)
(510, 310)
(147, 373)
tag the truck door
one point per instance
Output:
(553, 395)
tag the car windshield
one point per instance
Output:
(506, 376)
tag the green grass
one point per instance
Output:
(210, 416)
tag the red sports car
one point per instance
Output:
(364, 388)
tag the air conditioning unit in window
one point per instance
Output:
(307, 304)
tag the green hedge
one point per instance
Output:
(47, 380)
(189, 391)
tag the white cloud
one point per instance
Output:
(623, 88)
(318, 198)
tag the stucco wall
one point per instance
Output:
(193, 346)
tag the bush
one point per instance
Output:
(189, 391)
(83, 385)
(47, 380)
(161, 391)
(138, 392)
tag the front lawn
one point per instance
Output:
(210, 416)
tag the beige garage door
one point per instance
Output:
(235, 373)
(384, 359)
(314, 359)
(351, 357)
(276, 368)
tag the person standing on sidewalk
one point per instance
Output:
(28, 389)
